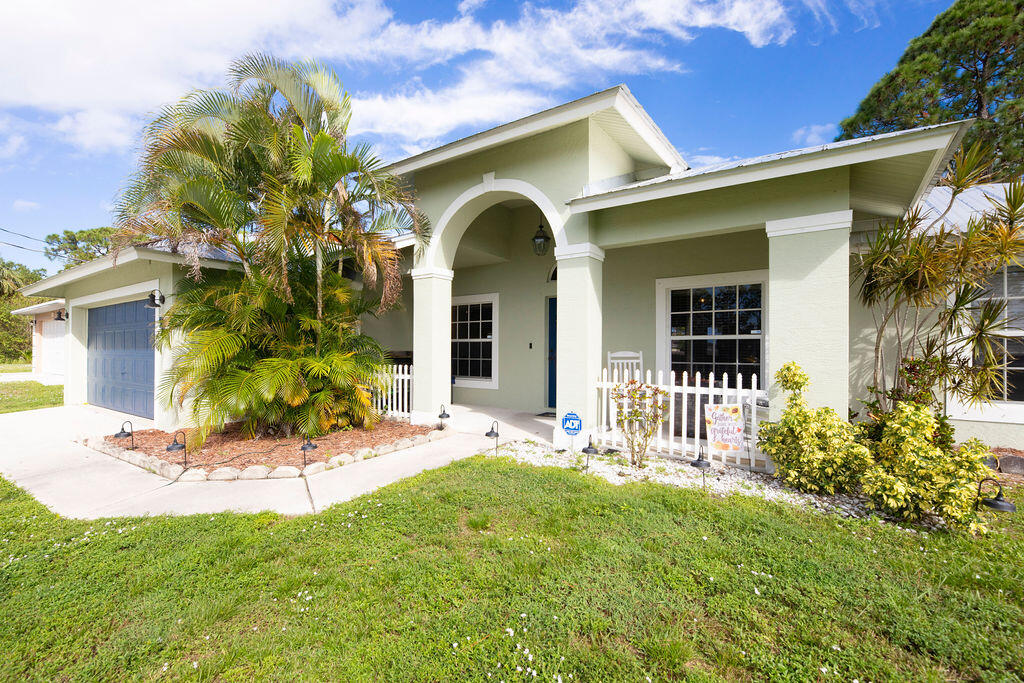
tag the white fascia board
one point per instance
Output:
(871, 150)
(640, 121)
(45, 307)
(90, 268)
(83, 270)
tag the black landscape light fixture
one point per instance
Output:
(703, 465)
(60, 315)
(443, 415)
(175, 446)
(541, 240)
(125, 434)
(306, 448)
(492, 433)
(156, 298)
(589, 450)
(999, 504)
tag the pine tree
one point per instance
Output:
(966, 65)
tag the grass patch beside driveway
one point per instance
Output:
(15, 396)
(15, 367)
(485, 566)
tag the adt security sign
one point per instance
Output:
(572, 424)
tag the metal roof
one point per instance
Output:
(763, 159)
(969, 203)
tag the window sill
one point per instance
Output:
(1008, 412)
(468, 383)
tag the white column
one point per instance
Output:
(579, 343)
(431, 342)
(809, 305)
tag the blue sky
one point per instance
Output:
(723, 78)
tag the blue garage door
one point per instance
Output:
(121, 363)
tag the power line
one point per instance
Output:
(28, 237)
(39, 251)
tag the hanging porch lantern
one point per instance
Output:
(540, 240)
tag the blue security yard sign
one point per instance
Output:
(572, 424)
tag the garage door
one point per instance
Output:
(120, 358)
(52, 347)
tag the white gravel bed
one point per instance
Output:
(721, 479)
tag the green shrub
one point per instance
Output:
(813, 449)
(912, 474)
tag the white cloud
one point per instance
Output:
(11, 145)
(23, 205)
(96, 130)
(470, 6)
(97, 68)
(815, 134)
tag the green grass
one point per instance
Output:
(15, 367)
(615, 580)
(15, 396)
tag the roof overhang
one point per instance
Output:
(923, 154)
(53, 285)
(45, 307)
(620, 114)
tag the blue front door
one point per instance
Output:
(552, 356)
(120, 358)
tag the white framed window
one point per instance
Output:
(475, 341)
(713, 323)
(1007, 285)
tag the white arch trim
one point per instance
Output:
(492, 184)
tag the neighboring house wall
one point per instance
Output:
(37, 341)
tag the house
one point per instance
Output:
(579, 237)
(48, 329)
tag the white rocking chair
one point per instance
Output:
(628, 364)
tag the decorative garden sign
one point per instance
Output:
(725, 425)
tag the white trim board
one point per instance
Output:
(492, 298)
(662, 286)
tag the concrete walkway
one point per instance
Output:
(38, 453)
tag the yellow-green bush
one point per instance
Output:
(910, 475)
(813, 449)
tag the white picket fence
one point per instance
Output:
(681, 414)
(396, 398)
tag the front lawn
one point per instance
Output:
(15, 367)
(490, 567)
(15, 396)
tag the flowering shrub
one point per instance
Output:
(813, 449)
(911, 474)
(639, 412)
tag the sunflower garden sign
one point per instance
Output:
(725, 425)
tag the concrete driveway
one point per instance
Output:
(38, 453)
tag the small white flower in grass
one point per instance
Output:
(510, 632)
(756, 592)
(195, 665)
(824, 669)
(705, 538)
(836, 648)
(523, 615)
(455, 645)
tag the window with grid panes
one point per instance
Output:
(717, 329)
(1009, 286)
(472, 340)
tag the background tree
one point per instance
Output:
(72, 247)
(968, 64)
(15, 333)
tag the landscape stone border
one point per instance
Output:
(176, 472)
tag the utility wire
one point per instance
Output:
(28, 237)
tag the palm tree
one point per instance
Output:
(266, 170)
(10, 281)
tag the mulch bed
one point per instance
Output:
(230, 449)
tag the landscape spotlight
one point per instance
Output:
(589, 450)
(999, 504)
(443, 415)
(703, 465)
(305, 448)
(492, 433)
(175, 446)
(124, 435)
